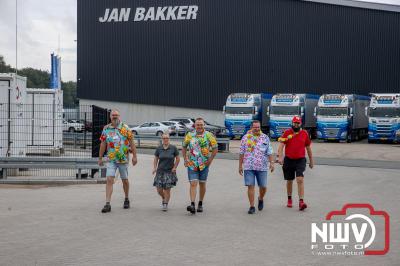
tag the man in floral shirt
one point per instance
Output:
(255, 152)
(117, 138)
(199, 150)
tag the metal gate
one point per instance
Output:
(100, 118)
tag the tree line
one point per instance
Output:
(37, 78)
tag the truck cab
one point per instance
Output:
(285, 106)
(240, 110)
(341, 117)
(384, 117)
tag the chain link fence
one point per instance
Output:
(49, 130)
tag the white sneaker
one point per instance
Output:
(165, 207)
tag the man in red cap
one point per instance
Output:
(295, 141)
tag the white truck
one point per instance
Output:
(342, 117)
(284, 106)
(384, 117)
(242, 108)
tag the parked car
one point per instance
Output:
(154, 128)
(72, 125)
(180, 127)
(187, 121)
(88, 125)
(218, 131)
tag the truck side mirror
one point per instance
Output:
(223, 109)
(302, 110)
(366, 110)
(255, 109)
(268, 110)
(315, 111)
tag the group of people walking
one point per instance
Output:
(199, 149)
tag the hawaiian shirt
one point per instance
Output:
(199, 148)
(256, 150)
(117, 140)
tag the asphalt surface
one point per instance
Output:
(64, 226)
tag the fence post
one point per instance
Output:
(3, 173)
(84, 133)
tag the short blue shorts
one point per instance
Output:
(112, 169)
(251, 175)
(200, 176)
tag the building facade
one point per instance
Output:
(160, 59)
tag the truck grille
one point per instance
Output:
(280, 130)
(384, 130)
(331, 132)
(238, 129)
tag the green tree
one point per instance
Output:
(4, 68)
(37, 78)
(69, 91)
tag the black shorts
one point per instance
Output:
(293, 168)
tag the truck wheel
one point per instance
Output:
(350, 137)
(71, 129)
(315, 136)
(134, 132)
(358, 134)
(159, 133)
(310, 133)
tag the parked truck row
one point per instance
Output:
(340, 117)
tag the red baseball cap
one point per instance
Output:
(296, 119)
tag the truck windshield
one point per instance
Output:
(384, 112)
(285, 110)
(239, 110)
(332, 111)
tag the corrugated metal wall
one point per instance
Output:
(235, 46)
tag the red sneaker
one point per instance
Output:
(289, 203)
(302, 205)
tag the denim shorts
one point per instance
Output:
(200, 176)
(250, 177)
(112, 169)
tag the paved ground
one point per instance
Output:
(359, 150)
(64, 226)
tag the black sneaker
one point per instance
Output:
(252, 210)
(106, 208)
(200, 208)
(260, 205)
(191, 209)
(126, 204)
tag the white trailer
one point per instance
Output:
(45, 126)
(13, 130)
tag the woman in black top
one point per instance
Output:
(166, 160)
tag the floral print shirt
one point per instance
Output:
(256, 150)
(199, 148)
(118, 141)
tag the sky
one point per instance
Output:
(41, 23)
(46, 26)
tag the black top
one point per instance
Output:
(166, 157)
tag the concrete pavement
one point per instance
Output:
(64, 226)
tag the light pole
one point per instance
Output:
(16, 36)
